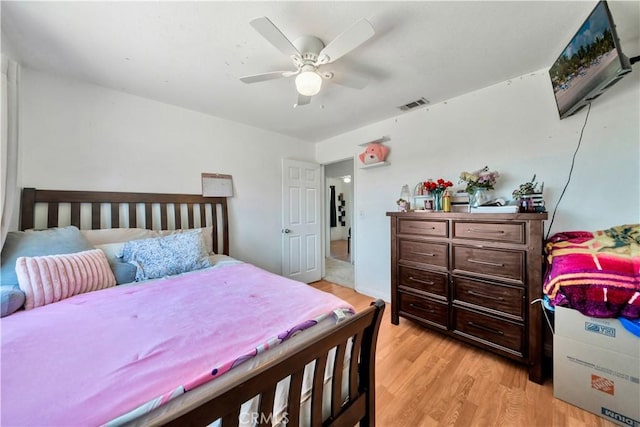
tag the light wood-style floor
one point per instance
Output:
(424, 378)
(339, 250)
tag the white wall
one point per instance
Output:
(81, 136)
(8, 48)
(512, 127)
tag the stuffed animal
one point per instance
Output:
(374, 153)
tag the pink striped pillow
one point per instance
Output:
(48, 279)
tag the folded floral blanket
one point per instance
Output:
(596, 273)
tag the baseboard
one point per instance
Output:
(372, 293)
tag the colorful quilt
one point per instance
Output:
(105, 357)
(596, 273)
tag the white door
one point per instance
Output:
(301, 220)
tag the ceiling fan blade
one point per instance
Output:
(255, 78)
(350, 80)
(269, 31)
(351, 38)
(303, 100)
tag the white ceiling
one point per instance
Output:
(191, 54)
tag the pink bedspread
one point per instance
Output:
(94, 357)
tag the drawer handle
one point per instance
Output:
(480, 230)
(478, 261)
(426, 282)
(478, 294)
(421, 228)
(423, 253)
(428, 310)
(486, 328)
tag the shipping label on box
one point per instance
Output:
(605, 333)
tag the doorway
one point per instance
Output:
(339, 185)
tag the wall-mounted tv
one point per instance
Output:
(590, 64)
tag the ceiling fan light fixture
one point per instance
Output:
(308, 83)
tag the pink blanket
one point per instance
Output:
(94, 357)
(596, 273)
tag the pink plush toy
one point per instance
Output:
(374, 153)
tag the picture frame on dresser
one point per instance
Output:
(473, 277)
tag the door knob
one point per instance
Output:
(286, 231)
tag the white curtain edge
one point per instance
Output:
(9, 171)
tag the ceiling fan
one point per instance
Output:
(308, 54)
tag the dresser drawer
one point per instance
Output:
(432, 254)
(511, 232)
(420, 281)
(489, 330)
(498, 263)
(423, 227)
(507, 300)
(424, 309)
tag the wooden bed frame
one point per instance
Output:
(201, 406)
(100, 202)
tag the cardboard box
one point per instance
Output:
(596, 366)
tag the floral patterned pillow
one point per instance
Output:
(165, 256)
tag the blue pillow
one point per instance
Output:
(53, 241)
(123, 272)
(166, 256)
(11, 299)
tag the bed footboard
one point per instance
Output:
(357, 406)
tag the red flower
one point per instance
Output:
(439, 185)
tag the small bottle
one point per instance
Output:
(529, 206)
(405, 195)
(446, 202)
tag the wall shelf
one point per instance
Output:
(374, 165)
(376, 141)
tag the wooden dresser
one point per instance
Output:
(472, 276)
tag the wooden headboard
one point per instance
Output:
(104, 209)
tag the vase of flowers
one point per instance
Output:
(437, 188)
(479, 197)
(478, 184)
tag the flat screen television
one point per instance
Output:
(591, 63)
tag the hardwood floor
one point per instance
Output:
(339, 250)
(427, 379)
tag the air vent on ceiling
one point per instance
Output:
(414, 104)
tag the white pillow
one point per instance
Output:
(116, 235)
(113, 251)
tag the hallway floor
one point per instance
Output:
(338, 268)
(339, 250)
